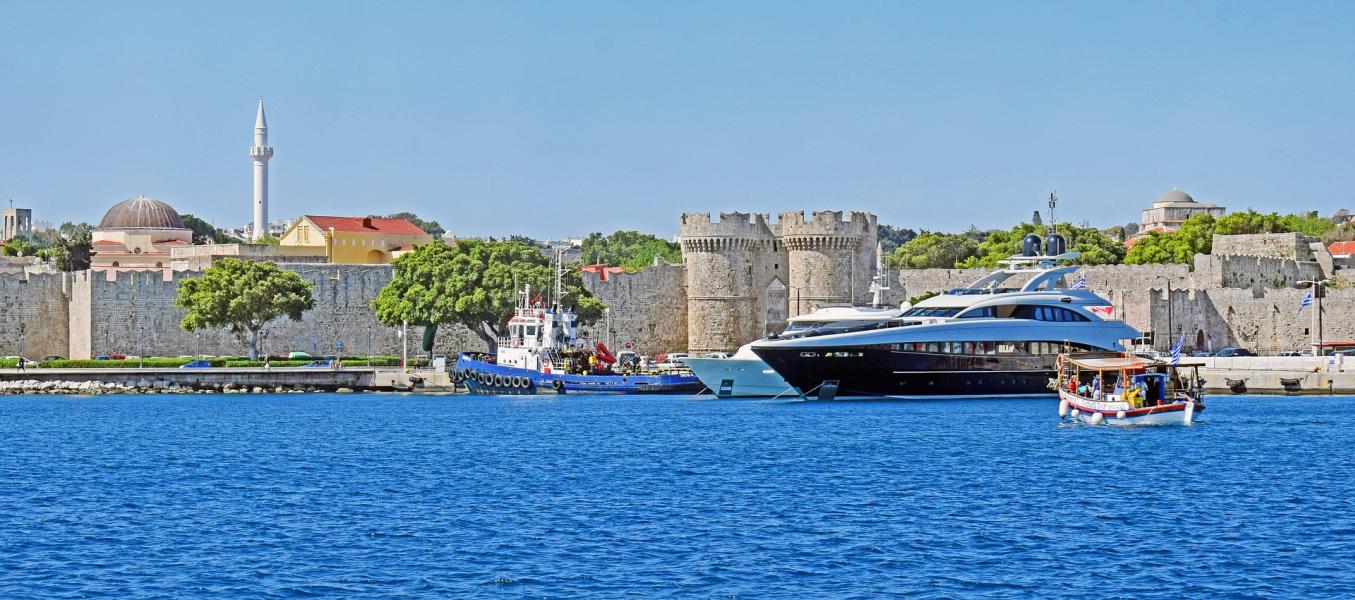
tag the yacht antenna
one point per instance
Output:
(1053, 199)
(877, 283)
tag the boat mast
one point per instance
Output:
(559, 276)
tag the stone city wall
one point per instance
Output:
(648, 308)
(133, 313)
(1259, 319)
(1244, 271)
(1291, 246)
(35, 317)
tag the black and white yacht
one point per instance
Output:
(983, 340)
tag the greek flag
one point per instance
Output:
(1081, 283)
(1176, 350)
(1307, 301)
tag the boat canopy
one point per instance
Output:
(1108, 362)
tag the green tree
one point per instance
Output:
(1036, 220)
(430, 227)
(1196, 236)
(206, 233)
(268, 239)
(1094, 246)
(76, 246)
(243, 296)
(931, 250)
(476, 284)
(893, 237)
(630, 250)
(20, 247)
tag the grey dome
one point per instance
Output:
(141, 213)
(1175, 196)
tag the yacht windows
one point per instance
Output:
(985, 311)
(985, 348)
(933, 312)
(1047, 313)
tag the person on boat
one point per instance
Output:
(1134, 396)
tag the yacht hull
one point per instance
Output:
(894, 373)
(739, 377)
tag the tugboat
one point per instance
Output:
(542, 355)
(1122, 389)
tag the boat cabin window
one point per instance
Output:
(982, 312)
(531, 331)
(1045, 313)
(933, 312)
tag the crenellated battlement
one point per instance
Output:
(731, 225)
(828, 223)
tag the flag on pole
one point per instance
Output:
(1307, 301)
(1176, 350)
(1081, 283)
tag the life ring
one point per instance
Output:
(557, 385)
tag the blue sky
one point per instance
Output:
(560, 118)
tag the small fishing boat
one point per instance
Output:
(542, 355)
(1122, 389)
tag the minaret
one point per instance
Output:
(260, 152)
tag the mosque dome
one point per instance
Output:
(1174, 196)
(141, 213)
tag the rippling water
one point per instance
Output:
(231, 496)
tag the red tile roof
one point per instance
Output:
(1342, 248)
(366, 225)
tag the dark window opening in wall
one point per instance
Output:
(1305, 331)
(115, 263)
(776, 266)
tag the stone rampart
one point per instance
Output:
(35, 317)
(1291, 246)
(133, 313)
(1245, 271)
(648, 308)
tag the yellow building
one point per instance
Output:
(355, 240)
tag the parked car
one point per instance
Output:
(116, 356)
(1202, 354)
(196, 364)
(1289, 353)
(297, 354)
(1235, 352)
(53, 357)
(324, 363)
(103, 357)
(132, 357)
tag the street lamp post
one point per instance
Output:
(1319, 290)
(799, 310)
(1171, 333)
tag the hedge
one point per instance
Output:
(161, 362)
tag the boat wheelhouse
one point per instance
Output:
(1123, 389)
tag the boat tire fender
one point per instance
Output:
(557, 385)
(498, 381)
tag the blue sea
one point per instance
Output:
(667, 497)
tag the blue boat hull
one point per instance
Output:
(488, 378)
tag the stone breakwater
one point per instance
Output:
(148, 386)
